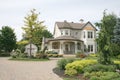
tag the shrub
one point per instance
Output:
(102, 75)
(117, 66)
(41, 56)
(116, 62)
(17, 54)
(118, 56)
(62, 63)
(99, 67)
(51, 52)
(71, 72)
(93, 55)
(49, 55)
(79, 65)
(23, 55)
(80, 55)
(55, 55)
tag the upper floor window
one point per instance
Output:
(90, 34)
(66, 32)
(84, 35)
(61, 32)
(76, 33)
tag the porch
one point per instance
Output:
(66, 46)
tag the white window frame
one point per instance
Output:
(90, 48)
(90, 34)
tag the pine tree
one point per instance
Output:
(116, 32)
(104, 39)
(116, 39)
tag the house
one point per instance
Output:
(33, 49)
(70, 38)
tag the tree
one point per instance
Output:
(7, 39)
(31, 25)
(106, 27)
(21, 45)
(39, 34)
(116, 38)
(34, 29)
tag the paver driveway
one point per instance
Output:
(27, 70)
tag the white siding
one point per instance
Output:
(57, 32)
(79, 35)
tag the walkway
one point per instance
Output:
(27, 70)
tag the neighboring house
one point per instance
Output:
(70, 38)
(33, 48)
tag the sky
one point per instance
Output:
(12, 12)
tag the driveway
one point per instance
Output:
(27, 70)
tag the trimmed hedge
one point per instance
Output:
(78, 66)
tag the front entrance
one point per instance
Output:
(66, 47)
(69, 48)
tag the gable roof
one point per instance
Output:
(72, 25)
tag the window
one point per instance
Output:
(90, 48)
(84, 34)
(79, 46)
(85, 49)
(66, 32)
(76, 33)
(61, 32)
(55, 45)
(90, 34)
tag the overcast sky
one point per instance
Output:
(12, 12)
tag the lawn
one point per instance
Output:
(27, 59)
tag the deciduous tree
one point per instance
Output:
(7, 39)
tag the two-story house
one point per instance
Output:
(70, 38)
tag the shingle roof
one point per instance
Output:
(70, 25)
(62, 38)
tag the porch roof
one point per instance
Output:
(63, 38)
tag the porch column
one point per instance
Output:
(61, 48)
(82, 47)
(50, 46)
(76, 49)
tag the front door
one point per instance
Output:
(66, 47)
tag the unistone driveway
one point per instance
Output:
(27, 70)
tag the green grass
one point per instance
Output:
(27, 59)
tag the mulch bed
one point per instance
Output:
(61, 74)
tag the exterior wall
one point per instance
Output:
(89, 41)
(76, 33)
(57, 31)
(64, 32)
(79, 34)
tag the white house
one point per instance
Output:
(33, 48)
(70, 38)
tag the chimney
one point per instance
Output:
(81, 20)
(65, 20)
